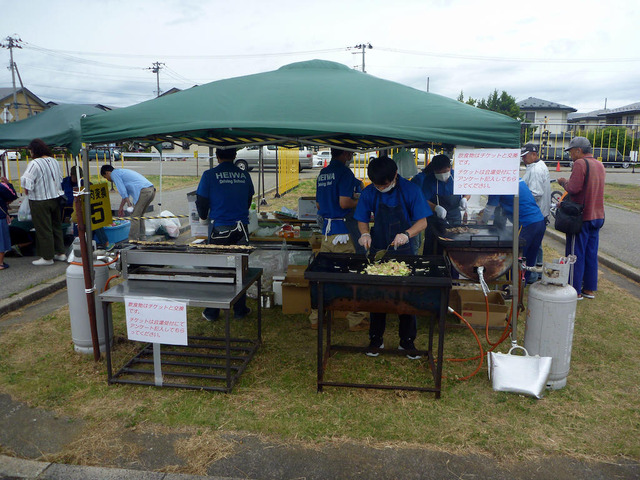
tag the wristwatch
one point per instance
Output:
(406, 232)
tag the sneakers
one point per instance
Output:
(408, 345)
(375, 345)
(16, 250)
(110, 247)
(41, 261)
(60, 257)
(588, 294)
(361, 327)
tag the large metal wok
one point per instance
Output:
(479, 246)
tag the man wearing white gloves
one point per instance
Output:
(400, 214)
(336, 192)
(436, 184)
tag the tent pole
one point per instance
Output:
(160, 190)
(515, 271)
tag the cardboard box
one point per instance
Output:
(197, 229)
(470, 304)
(307, 208)
(296, 296)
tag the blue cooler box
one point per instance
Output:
(118, 233)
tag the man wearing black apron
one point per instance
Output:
(336, 188)
(223, 199)
(436, 184)
(400, 214)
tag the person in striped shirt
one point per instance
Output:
(42, 182)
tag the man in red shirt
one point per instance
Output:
(585, 185)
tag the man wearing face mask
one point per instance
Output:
(400, 214)
(436, 184)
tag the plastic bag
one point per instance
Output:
(526, 375)
(24, 212)
(163, 226)
(406, 163)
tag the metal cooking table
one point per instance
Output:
(202, 355)
(338, 285)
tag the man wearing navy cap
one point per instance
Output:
(537, 179)
(223, 200)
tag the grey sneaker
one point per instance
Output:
(409, 346)
(375, 345)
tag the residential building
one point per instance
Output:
(26, 104)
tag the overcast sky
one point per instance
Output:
(577, 53)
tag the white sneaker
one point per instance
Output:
(42, 261)
(60, 257)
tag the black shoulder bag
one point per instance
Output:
(569, 213)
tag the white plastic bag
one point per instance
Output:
(526, 375)
(24, 212)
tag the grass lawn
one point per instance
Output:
(594, 416)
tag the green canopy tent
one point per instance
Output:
(58, 126)
(314, 102)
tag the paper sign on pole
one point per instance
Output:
(486, 171)
(156, 321)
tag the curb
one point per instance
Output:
(18, 468)
(48, 287)
(607, 260)
(33, 294)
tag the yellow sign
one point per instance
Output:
(100, 206)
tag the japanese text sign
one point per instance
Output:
(486, 171)
(156, 320)
(100, 205)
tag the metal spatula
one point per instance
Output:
(381, 253)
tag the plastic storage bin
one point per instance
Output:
(118, 233)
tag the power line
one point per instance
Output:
(509, 59)
(178, 57)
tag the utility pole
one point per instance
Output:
(12, 43)
(157, 66)
(363, 47)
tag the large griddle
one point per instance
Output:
(346, 288)
(489, 247)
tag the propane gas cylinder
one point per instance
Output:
(551, 313)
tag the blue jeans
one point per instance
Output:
(584, 246)
(532, 235)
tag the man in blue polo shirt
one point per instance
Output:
(223, 200)
(131, 184)
(400, 214)
(532, 224)
(337, 190)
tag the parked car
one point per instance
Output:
(553, 155)
(610, 157)
(103, 153)
(321, 157)
(247, 158)
(10, 154)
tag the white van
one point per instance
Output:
(10, 154)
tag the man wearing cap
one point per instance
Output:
(537, 179)
(586, 186)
